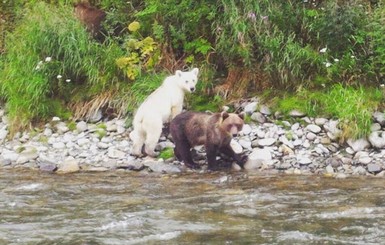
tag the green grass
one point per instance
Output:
(353, 106)
(166, 153)
(49, 58)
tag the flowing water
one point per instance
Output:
(205, 208)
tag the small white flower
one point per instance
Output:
(336, 60)
(353, 57)
(382, 85)
(328, 64)
(48, 59)
(59, 77)
(55, 119)
(323, 50)
(68, 80)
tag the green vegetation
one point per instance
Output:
(320, 57)
(352, 106)
(166, 153)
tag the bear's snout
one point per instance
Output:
(235, 134)
(192, 89)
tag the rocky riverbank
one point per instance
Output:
(301, 145)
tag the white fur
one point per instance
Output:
(160, 107)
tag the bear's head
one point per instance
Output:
(232, 123)
(187, 79)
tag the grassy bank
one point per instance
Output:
(321, 57)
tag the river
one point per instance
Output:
(191, 208)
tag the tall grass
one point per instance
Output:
(49, 57)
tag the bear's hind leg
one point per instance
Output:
(183, 153)
(152, 139)
(138, 141)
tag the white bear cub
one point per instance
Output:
(160, 107)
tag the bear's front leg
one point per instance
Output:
(211, 151)
(237, 157)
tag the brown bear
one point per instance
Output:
(91, 17)
(214, 131)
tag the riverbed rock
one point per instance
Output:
(313, 128)
(374, 168)
(161, 167)
(257, 158)
(68, 166)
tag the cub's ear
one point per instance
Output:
(224, 115)
(179, 73)
(195, 71)
(242, 115)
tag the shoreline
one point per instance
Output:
(304, 146)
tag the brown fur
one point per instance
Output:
(214, 131)
(91, 17)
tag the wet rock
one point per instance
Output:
(161, 167)
(359, 171)
(68, 166)
(47, 167)
(257, 158)
(3, 133)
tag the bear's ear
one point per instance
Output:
(195, 71)
(179, 73)
(224, 115)
(241, 115)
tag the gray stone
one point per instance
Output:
(359, 170)
(47, 167)
(296, 113)
(58, 145)
(246, 130)
(311, 136)
(81, 126)
(68, 166)
(265, 110)
(258, 117)
(251, 107)
(116, 154)
(313, 128)
(359, 144)
(257, 158)
(379, 117)
(375, 127)
(320, 121)
(3, 133)
(374, 168)
(377, 139)
(266, 142)
(329, 169)
(96, 116)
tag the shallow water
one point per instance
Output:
(138, 208)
